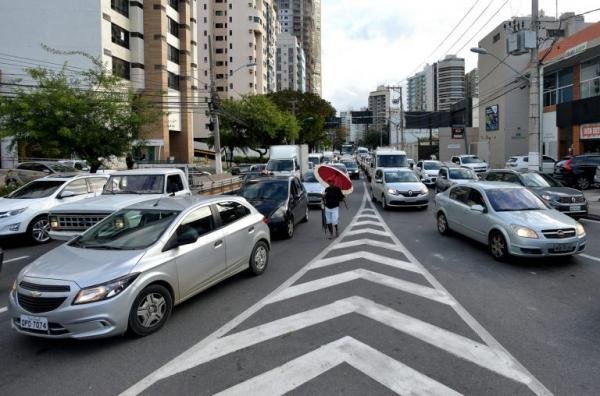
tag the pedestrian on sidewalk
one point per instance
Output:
(332, 197)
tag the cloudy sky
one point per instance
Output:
(371, 42)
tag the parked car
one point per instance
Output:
(241, 169)
(398, 187)
(521, 163)
(129, 271)
(25, 210)
(428, 171)
(314, 189)
(561, 161)
(451, 175)
(352, 168)
(28, 171)
(579, 171)
(470, 161)
(122, 189)
(509, 219)
(282, 200)
(563, 199)
(258, 168)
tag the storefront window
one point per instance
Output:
(590, 78)
(558, 87)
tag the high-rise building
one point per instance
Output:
(244, 43)
(302, 18)
(150, 45)
(354, 132)
(417, 92)
(291, 64)
(379, 104)
(450, 82)
(472, 84)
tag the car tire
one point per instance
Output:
(498, 246)
(259, 260)
(582, 183)
(150, 310)
(38, 230)
(442, 224)
(289, 228)
(305, 218)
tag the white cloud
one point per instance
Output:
(371, 42)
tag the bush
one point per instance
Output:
(4, 190)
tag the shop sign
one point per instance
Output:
(458, 132)
(590, 131)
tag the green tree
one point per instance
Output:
(311, 111)
(92, 115)
(374, 137)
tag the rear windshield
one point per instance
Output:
(462, 174)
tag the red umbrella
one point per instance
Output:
(325, 173)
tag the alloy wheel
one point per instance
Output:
(442, 224)
(583, 183)
(498, 246)
(260, 257)
(151, 310)
(290, 228)
(40, 230)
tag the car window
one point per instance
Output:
(514, 199)
(97, 184)
(419, 164)
(299, 186)
(36, 189)
(456, 160)
(535, 180)
(493, 176)
(231, 211)
(444, 172)
(309, 177)
(174, 184)
(77, 187)
(25, 166)
(595, 160)
(475, 198)
(511, 178)
(462, 174)
(548, 159)
(40, 168)
(460, 194)
(199, 222)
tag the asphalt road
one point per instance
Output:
(389, 306)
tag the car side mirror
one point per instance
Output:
(186, 239)
(379, 181)
(444, 177)
(477, 209)
(66, 194)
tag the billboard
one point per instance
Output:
(362, 117)
(492, 120)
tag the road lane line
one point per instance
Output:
(587, 256)
(15, 259)
(590, 221)
(3, 309)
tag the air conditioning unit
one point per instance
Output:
(521, 42)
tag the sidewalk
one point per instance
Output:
(593, 198)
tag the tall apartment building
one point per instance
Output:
(354, 132)
(244, 42)
(149, 44)
(472, 84)
(291, 64)
(450, 81)
(379, 104)
(416, 94)
(302, 18)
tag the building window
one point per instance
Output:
(121, 68)
(558, 87)
(173, 27)
(173, 54)
(590, 78)
(174, 4)
(120, 36)
(173, 81)
(121, 6)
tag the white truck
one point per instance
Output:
(122, 189)
(386, 158)
(288, 160)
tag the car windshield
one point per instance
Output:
(350, 165)
(135, 184)
(392, 161)
(534, 180)
(432, 166)
(266, 190)
(341, 167)
(400, 177)
(309, 177)
(462, 174)
(551, 181)
(280, 166)
(514, 199)
(59, 168)
(36, 189)
(472, 160)
(314, 160)
(127, 229)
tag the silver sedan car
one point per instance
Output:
(128, 271)
(509, 219)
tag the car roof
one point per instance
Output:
(146, 171)
(183, 203)
(486, 185)
(396, 170)
(73, 176)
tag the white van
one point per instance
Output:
(288, 160)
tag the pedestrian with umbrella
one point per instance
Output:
(338, 186)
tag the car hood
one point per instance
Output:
(13, 204)
(538, 219)
(405, 186)
(86, 267)
(558, 191)
(314, 188)
(266, 207)
(104, 203)
(430, 172)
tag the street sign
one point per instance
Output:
(590, 131)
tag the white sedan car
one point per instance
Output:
(509, 219)
(25, 211)
(398, 187)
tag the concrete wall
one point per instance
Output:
(450, 147)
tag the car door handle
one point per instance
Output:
(251, 230)
(218, 244)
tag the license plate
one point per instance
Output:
(34, 322)
(575, 208)
(563, 248)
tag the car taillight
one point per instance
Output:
(265, 220)
(567, 165)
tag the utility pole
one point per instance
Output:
(534, 97)
(401, 121)
(214, 105)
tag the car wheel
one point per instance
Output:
(38, 229)
(150, 310)
(582, 183)
(305, 218)
(498, 246)
(442, 224)
(289, 228)
(259, 260)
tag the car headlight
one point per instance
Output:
(13, 289)
(53, 222)
(524, 232)
(279, 213)
(580, 230)
(392, 191)
(424, 190)
(104, 291)
(13, 212)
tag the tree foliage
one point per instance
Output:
(92, 115)
(375, 138)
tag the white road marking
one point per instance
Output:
(368, 231)
(368, 216)
(376, 258)
(366, 242)
(367, 222)
(3, 309)
(587, 256)
(590, 221)
(15, 259)
(382, 368)
(385, 280)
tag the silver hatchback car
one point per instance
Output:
(508, 218)
(128, 271)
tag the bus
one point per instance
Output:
(347, 149)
